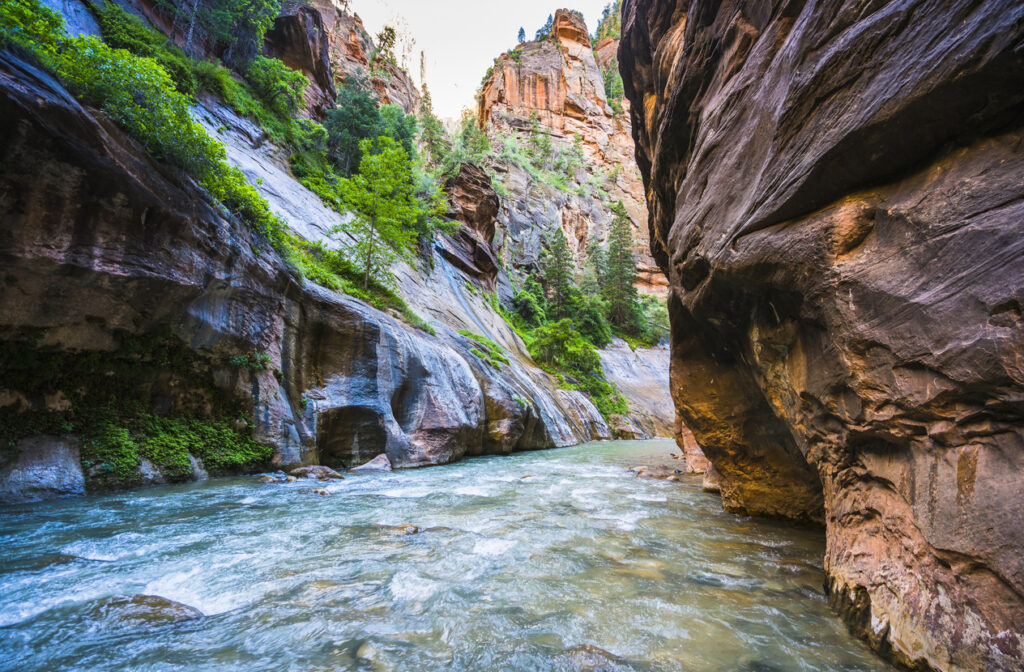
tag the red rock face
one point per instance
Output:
(559, 80)
(350, 48)
(298, 37)
(835, 194)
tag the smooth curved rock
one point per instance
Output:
(139, 611)
(835, 194)
(379, 464)
(39, 468)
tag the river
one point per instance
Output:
(538, 561)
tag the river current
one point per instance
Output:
(551, 560)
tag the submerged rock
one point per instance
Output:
(134, 611)
(379, 464)
(319, 472)
(590, 658)
(660, 471)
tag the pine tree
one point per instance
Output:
(546, 29)
(522, 35)
(386, 40)
(382, 199)
(557, 263)
(356, 118)
(594, 271)
(433, 136)
(618, 291)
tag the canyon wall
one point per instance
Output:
(558, 82)
(836, 195)
(117, 272)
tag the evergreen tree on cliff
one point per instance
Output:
(557, 262)
(435, 140)
(620, 271)
(382, 198)
(546, 28)
(522, 35)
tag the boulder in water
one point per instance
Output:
(379, 464)
(134, 611)
(319, 472)
(45, 467)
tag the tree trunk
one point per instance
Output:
(191, 26)
(369, 251)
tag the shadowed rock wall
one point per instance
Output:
(835, 193)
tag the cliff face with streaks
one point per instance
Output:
(119, 274)
(835, 194)
(559, 82)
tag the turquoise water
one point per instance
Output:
(506, 573)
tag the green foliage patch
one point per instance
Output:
(110, 397)
(492, 353)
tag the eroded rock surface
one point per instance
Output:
(835, 194)
(559, 82)
(41, 467)
(300, 39)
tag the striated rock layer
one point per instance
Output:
(559, 82)
(100, 245)
(836, 195)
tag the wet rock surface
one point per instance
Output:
(41, 467)
(139, 611)
(835, 195)
(318, 472)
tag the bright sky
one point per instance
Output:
(462, 38)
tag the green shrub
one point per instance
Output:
(279, 86)
(121, 30)
(254, 361)
(31, 26)
(559, 346)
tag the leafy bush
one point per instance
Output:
(560, 346)
(279, 86)
(254, 361)
(121, 30)
(31, 26)
(530, 303)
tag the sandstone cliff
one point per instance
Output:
(835, 194)
(350, 49)
(100, 244)
(559, 82)
(122, 272)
